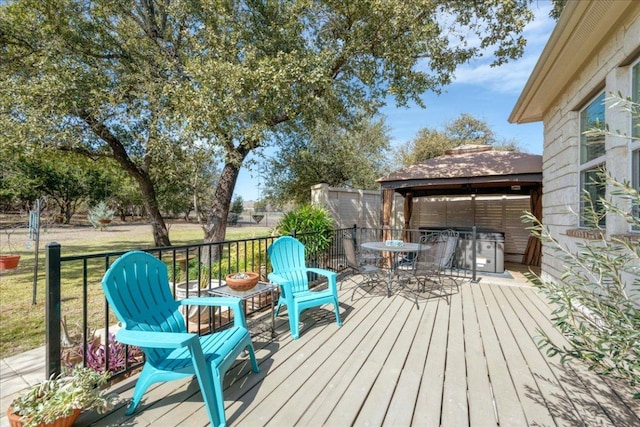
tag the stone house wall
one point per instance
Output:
(607, 69)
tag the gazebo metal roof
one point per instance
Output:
(469, 169)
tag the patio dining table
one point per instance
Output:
(395, 251)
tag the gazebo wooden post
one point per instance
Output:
(408, 211)
(533, 253)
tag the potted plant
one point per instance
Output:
(59, 400)
(10, 260)
(242, 281)
(195, 287)
(100, 215)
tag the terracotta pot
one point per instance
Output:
(242, 284)
(15, 420)
(8, 262)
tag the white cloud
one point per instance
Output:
(508, 78)
(512, 76)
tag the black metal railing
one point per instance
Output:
(193, 270)
(199, 264)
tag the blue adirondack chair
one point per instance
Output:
(290, 274)
(137, 288)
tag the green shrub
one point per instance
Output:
(313, 226)
(597, 297)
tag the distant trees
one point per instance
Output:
(347, 155)
(139, 81)
(237, 206)
(66, 180)
(466, 129)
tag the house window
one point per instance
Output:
(635, 181)
(635, 133)
(635, 97)
(592, 160)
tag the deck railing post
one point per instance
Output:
(52, 310)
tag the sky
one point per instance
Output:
(488, 94)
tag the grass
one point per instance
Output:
(23, 323)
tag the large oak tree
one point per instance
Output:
(137, 80)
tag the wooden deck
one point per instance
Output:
(473, 362)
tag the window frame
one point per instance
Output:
(634, 132)
(592, 164)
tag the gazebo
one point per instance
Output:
(469, 170)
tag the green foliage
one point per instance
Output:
(558, 7)
(349, 155)
(66, 180)
(237, 206)
(465, 130)
(236, 258)
(313, 226)
(140, 82)
(597, 297)
(59, 396)
(260, 206)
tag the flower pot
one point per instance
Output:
(15, 420)
(190, 290)
(242, 284)
(8, 262)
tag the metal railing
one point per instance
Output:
(200, 264)
(203, 264)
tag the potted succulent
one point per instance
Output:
(59, 400)
(242, 281)
(100, 215)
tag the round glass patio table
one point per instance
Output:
(395, 252)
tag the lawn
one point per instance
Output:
(23, 323)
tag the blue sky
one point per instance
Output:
(486, 93)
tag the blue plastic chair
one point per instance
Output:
(290, 274)
(137, 288)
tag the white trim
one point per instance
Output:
(634, 144)
(593, 163)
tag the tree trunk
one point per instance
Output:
(139, 173)
(150, 202)
(216, 226)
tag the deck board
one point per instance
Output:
(481, 407)
(508, 406)
(454, 396)
(401, 409)
(471, 359)
(505, 323)
(429, 400)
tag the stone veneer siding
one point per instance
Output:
(602, 71)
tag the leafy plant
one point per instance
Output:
(311, 225)
(100, 215)
(96, 355)
(60, 396)
(597, 296)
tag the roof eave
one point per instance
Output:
(579, 31)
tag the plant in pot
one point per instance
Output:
(201, 278)
(242, 281)
(11, 259)
(100, 216)
(59, 400)
(313, 227)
